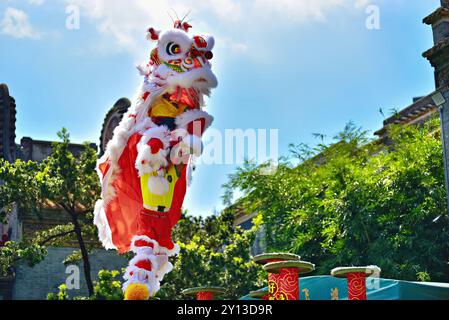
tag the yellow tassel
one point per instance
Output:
(137, 291)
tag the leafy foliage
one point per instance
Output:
(32, 253)
(61, 295)
(355, 202)
(107, 287)
(213, 253)
(62, 179)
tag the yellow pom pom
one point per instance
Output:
(137, 291)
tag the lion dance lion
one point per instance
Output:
(147, 165)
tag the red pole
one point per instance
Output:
(356, 286)
(204, 293)
(274, 279)
(273, 283)
(356, 279)
(286, 283)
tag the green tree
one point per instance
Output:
(357, 202)
(63, 179)
(107, 287)
(213, 253)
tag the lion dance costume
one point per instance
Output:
(147, 165)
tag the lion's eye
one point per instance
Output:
(173, 48)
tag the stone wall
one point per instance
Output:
(34, 283)
(37, 150)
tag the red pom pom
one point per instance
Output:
(200, 42)
(153, 34)
(186, 26)
(155, 145)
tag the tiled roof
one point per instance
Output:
(410, 114)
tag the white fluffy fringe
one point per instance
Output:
(160, 266)
(104, 231)
(191, 115)
(136, 249)
(146, 161)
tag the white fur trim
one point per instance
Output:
(131, 270)
(146, 161)
(160, 266)
(202, 79)
(191, 115)
(144, 257)
(164, 266)
(163, 271)
(104, 231)
(159, 132)
(144, 125)
(170, 253)
(135, 249)
(144, 69)
(134, 274)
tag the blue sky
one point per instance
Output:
(300, 66)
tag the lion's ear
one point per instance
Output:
(153, 34)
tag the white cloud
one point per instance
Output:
(36, 2)
(361, 4)
(126, 23)
(300, 10)
(15, 23)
